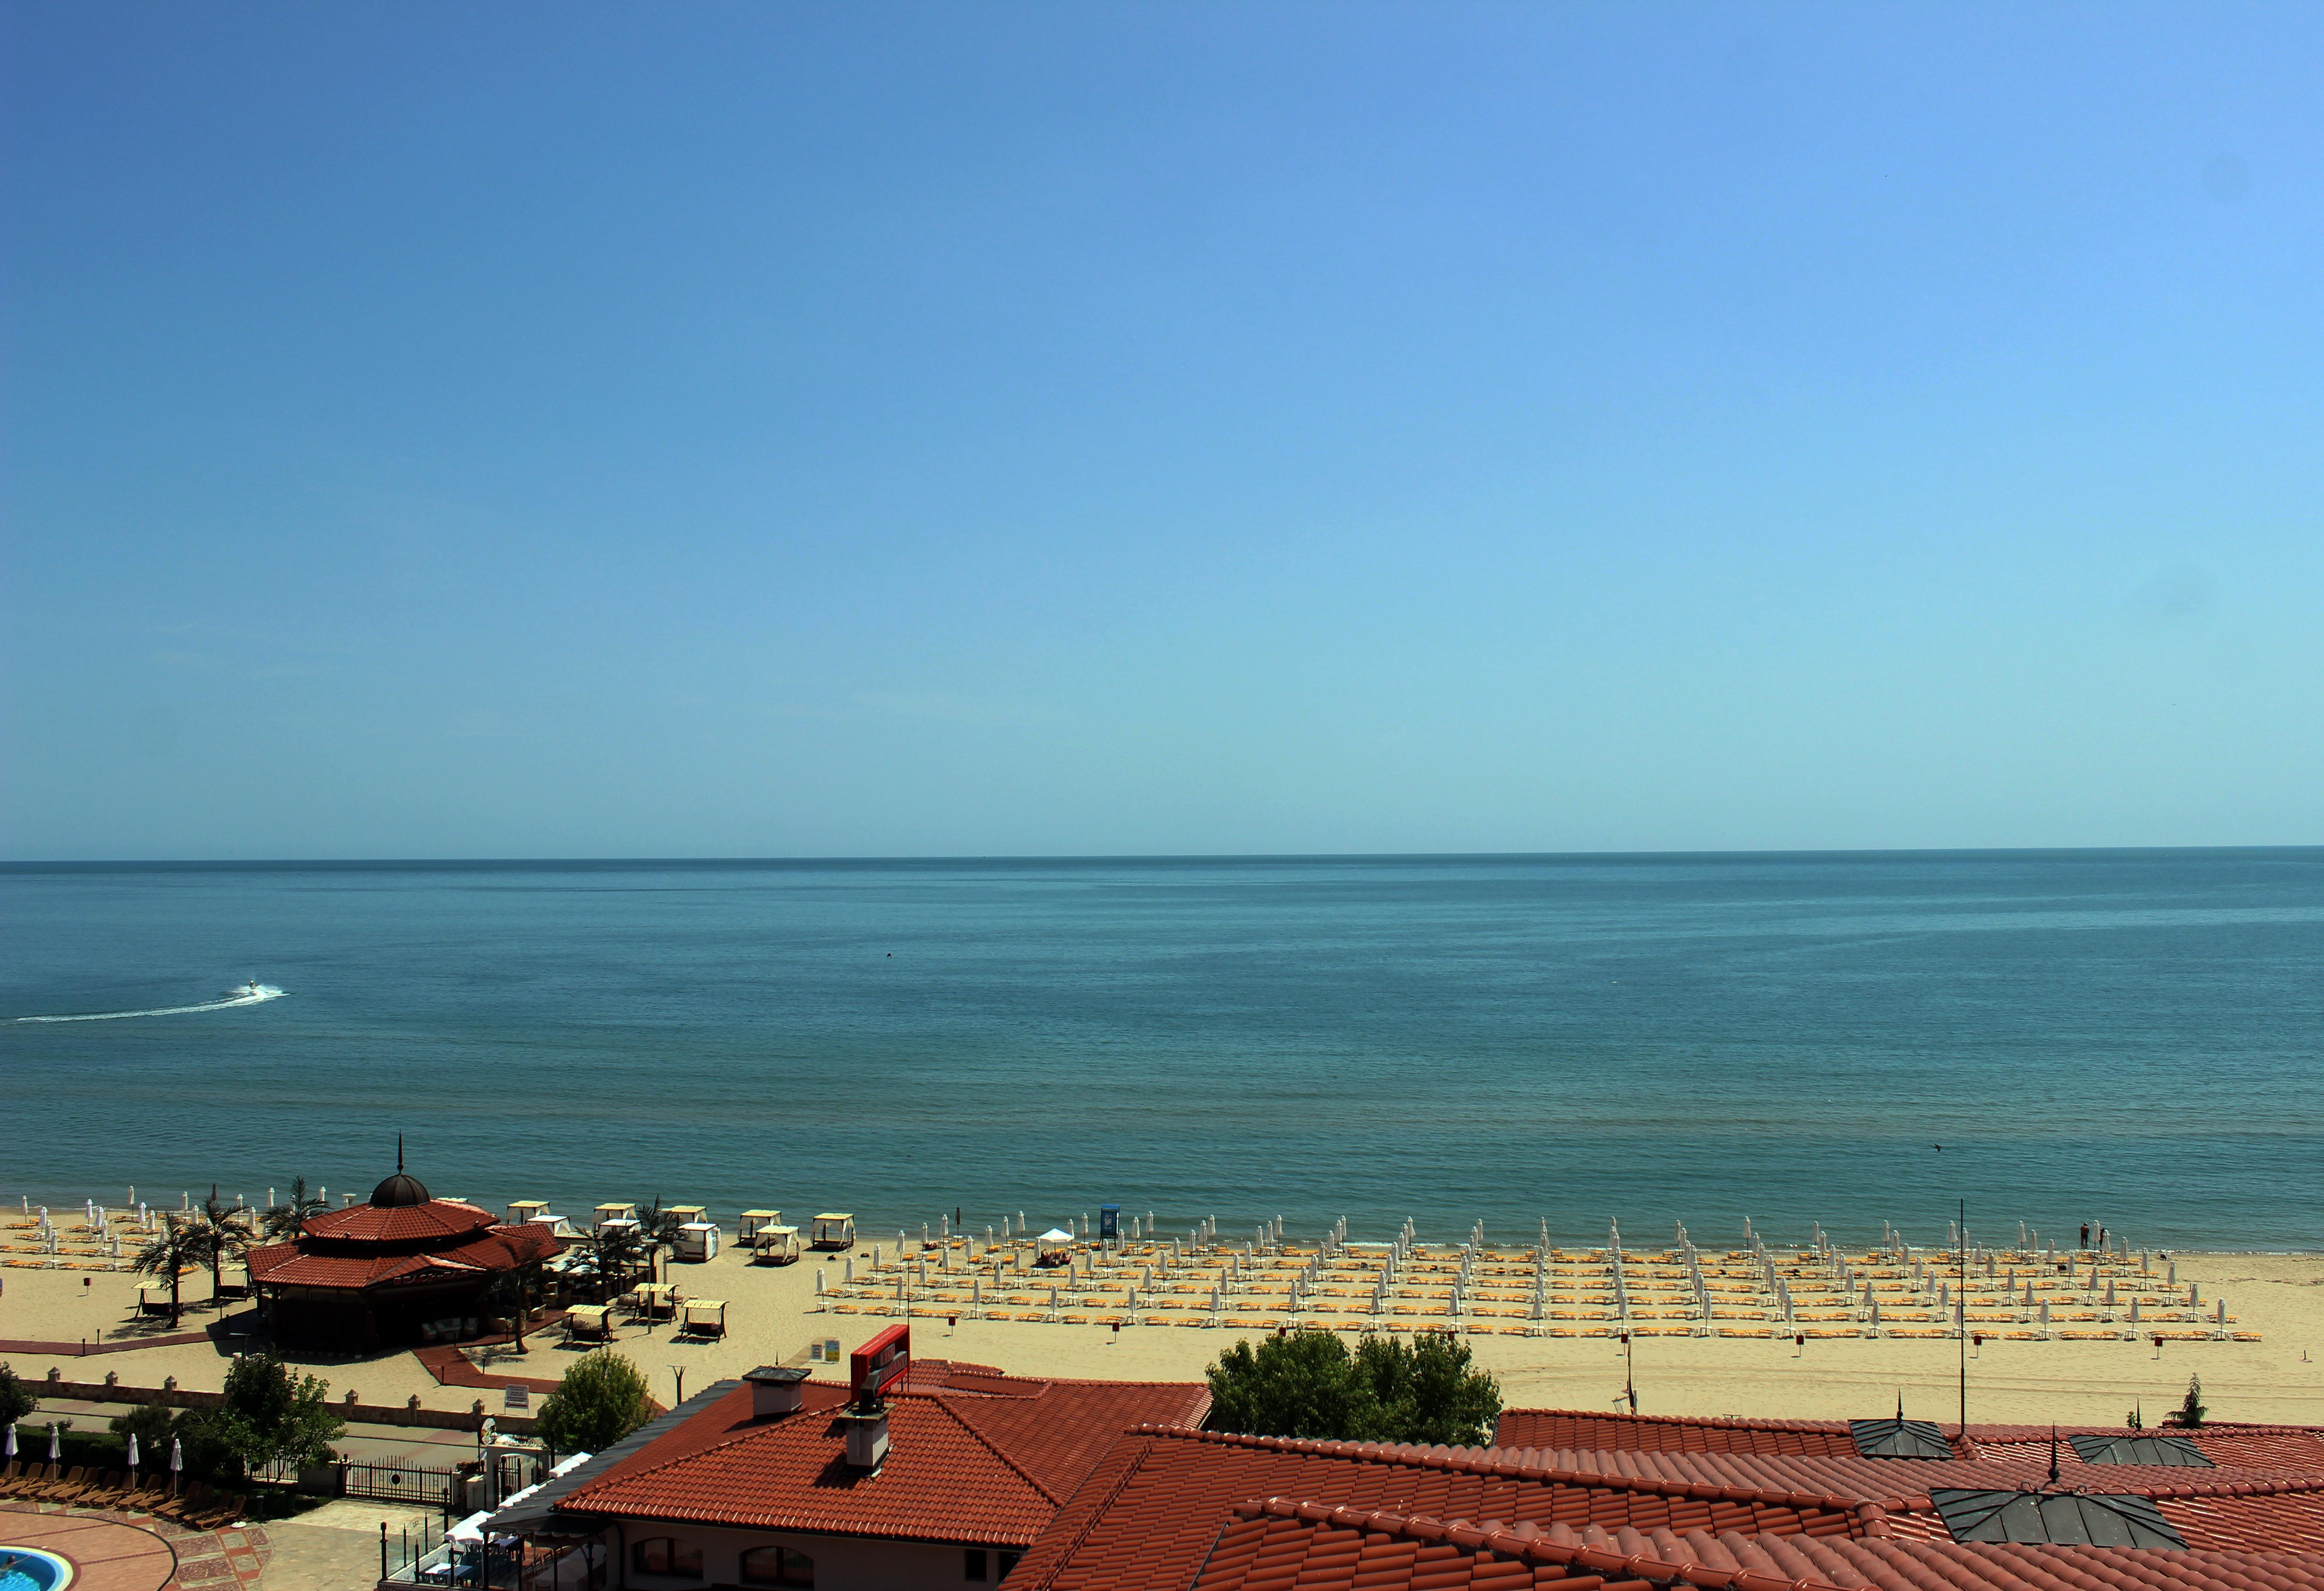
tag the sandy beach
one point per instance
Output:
(773, 1314)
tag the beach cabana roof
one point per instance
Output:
(1055, 1234)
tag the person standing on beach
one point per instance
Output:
(2086, 1234)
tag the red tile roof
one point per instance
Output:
(1145, 1518)
(1634, 1433)
(2252, 1446)
(968, 1466)
(1281, 1544)
(404, 1223)
(308, 1262)
(1699, 1502)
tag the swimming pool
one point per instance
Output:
(22, 1568)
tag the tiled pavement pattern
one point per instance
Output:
(112, 1552)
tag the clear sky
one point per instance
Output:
(796, 429)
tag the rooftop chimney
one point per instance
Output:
(867, 1435)
(775, 1390)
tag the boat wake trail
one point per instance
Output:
(249, 994)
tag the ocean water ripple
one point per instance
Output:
(2125, 1036)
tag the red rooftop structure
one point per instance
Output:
(774, 1481)
(1584, 1502)
(391, 1270)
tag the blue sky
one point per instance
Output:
(786, 430)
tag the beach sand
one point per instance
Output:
(773, 1314)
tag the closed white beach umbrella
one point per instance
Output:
(56, 1449)
(133, 1449)
(8, 1442)
(177, 1455)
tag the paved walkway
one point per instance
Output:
(132, 1552)
(74, 1351)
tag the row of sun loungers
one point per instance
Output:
(196, 1507)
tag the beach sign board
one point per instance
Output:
(880, 1364)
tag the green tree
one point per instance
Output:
(275, 1415)
(512, 1291)
(16, 1399)
(220, 1235)
(1301, 1384)
(2190, 1412)
(1308, 1384)
(658, 1227)
(1427, 1391)
(614, 1256)
(600, 1400)
(288, 1219)
(153, 1424)
(177, 1248)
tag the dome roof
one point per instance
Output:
(398, 1191)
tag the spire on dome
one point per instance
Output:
(400, 1190)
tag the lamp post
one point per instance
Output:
(1963, 1257)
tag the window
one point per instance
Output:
(778, 1566)
(971, 1565)
(659, 1555)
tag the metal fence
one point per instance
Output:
(423, 1485)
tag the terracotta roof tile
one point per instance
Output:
(1283, 1543)
(1634, 1433)
(404, 1223)
(1171, 1509)
(975, 1469)
(305, 1263)
(1146, 1517)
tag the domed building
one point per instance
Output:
(404, 1268)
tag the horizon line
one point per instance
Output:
(1088, 858)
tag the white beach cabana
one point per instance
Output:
(1053, 1247)
(834, 1230)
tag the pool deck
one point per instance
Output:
(109, 1554)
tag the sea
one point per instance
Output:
(2129, 1038)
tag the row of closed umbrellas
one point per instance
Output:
(56, 1447)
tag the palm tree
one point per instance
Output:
(512, 1291)
(658, 1227)
(173, 1249)
(288, 1219)
(613, 1257)
(221, 1236)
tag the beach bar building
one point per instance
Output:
(404, 1268)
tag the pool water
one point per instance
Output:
(24, 1569)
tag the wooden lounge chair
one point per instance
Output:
(177, 1505)
(64, 1487)
(223, 1511)
(142, 1497)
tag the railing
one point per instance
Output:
(423, 1485)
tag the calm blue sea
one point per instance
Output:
(2130, 1037)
